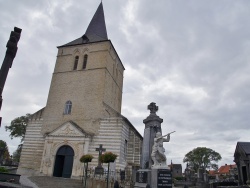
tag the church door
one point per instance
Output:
(64, 162)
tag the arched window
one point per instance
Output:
(67, 108)
(76, 62)
(85, 59)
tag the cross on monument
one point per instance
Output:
(100, 149)
(153, 108)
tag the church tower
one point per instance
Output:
(83, 110)
(87, 79)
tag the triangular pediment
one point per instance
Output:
(68, 129)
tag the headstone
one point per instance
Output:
(116, 184)
(200, 175)
(122, 175)
(205, 176)
(202, 179)
(143, 178)
(99, 169)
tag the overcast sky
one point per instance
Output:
(190, 57)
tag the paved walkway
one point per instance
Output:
(54, 182)
(44, 182)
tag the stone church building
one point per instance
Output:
(83, 110)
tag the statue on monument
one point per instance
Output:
(158, 157)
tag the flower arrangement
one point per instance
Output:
(86, 158)
(108, 157)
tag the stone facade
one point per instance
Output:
(88, 89)
(83, 110)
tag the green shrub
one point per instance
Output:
(180, 178)
(2, 169)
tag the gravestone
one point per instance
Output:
(99, 169)
(122, 175)
(202, 178)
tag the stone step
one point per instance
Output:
(46, 182)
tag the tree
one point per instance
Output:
(18, 126)
(17, 153)
(202, 157)
(6, 154)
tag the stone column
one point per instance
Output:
(239, 173)
(248, 172)
(152, 125)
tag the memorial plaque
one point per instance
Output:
(164, 178)
(141, 177)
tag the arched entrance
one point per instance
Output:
(64, 162)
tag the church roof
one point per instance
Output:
(96, 30)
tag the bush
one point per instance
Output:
(108, 157)
(227, 183)
(86, 158)
(180, 178)
(2, 169)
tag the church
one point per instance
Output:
(83, 110)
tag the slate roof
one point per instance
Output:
(245, 146)
(96, 30)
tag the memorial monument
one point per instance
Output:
(154, 172)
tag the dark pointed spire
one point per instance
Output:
(97, 27)
(96, 30)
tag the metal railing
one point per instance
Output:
(123, 177)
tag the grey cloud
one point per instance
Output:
(190, 57)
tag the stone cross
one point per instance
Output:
(8, 59)
(100, 149)
(153, 108)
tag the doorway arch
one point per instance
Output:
(64, 162)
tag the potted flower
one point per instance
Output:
(86, 159)
(108, 157)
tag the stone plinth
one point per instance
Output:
(161, 177)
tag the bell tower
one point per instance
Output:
(87, 80)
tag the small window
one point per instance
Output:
(76, 62)
(85, 59)
(67, 108)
